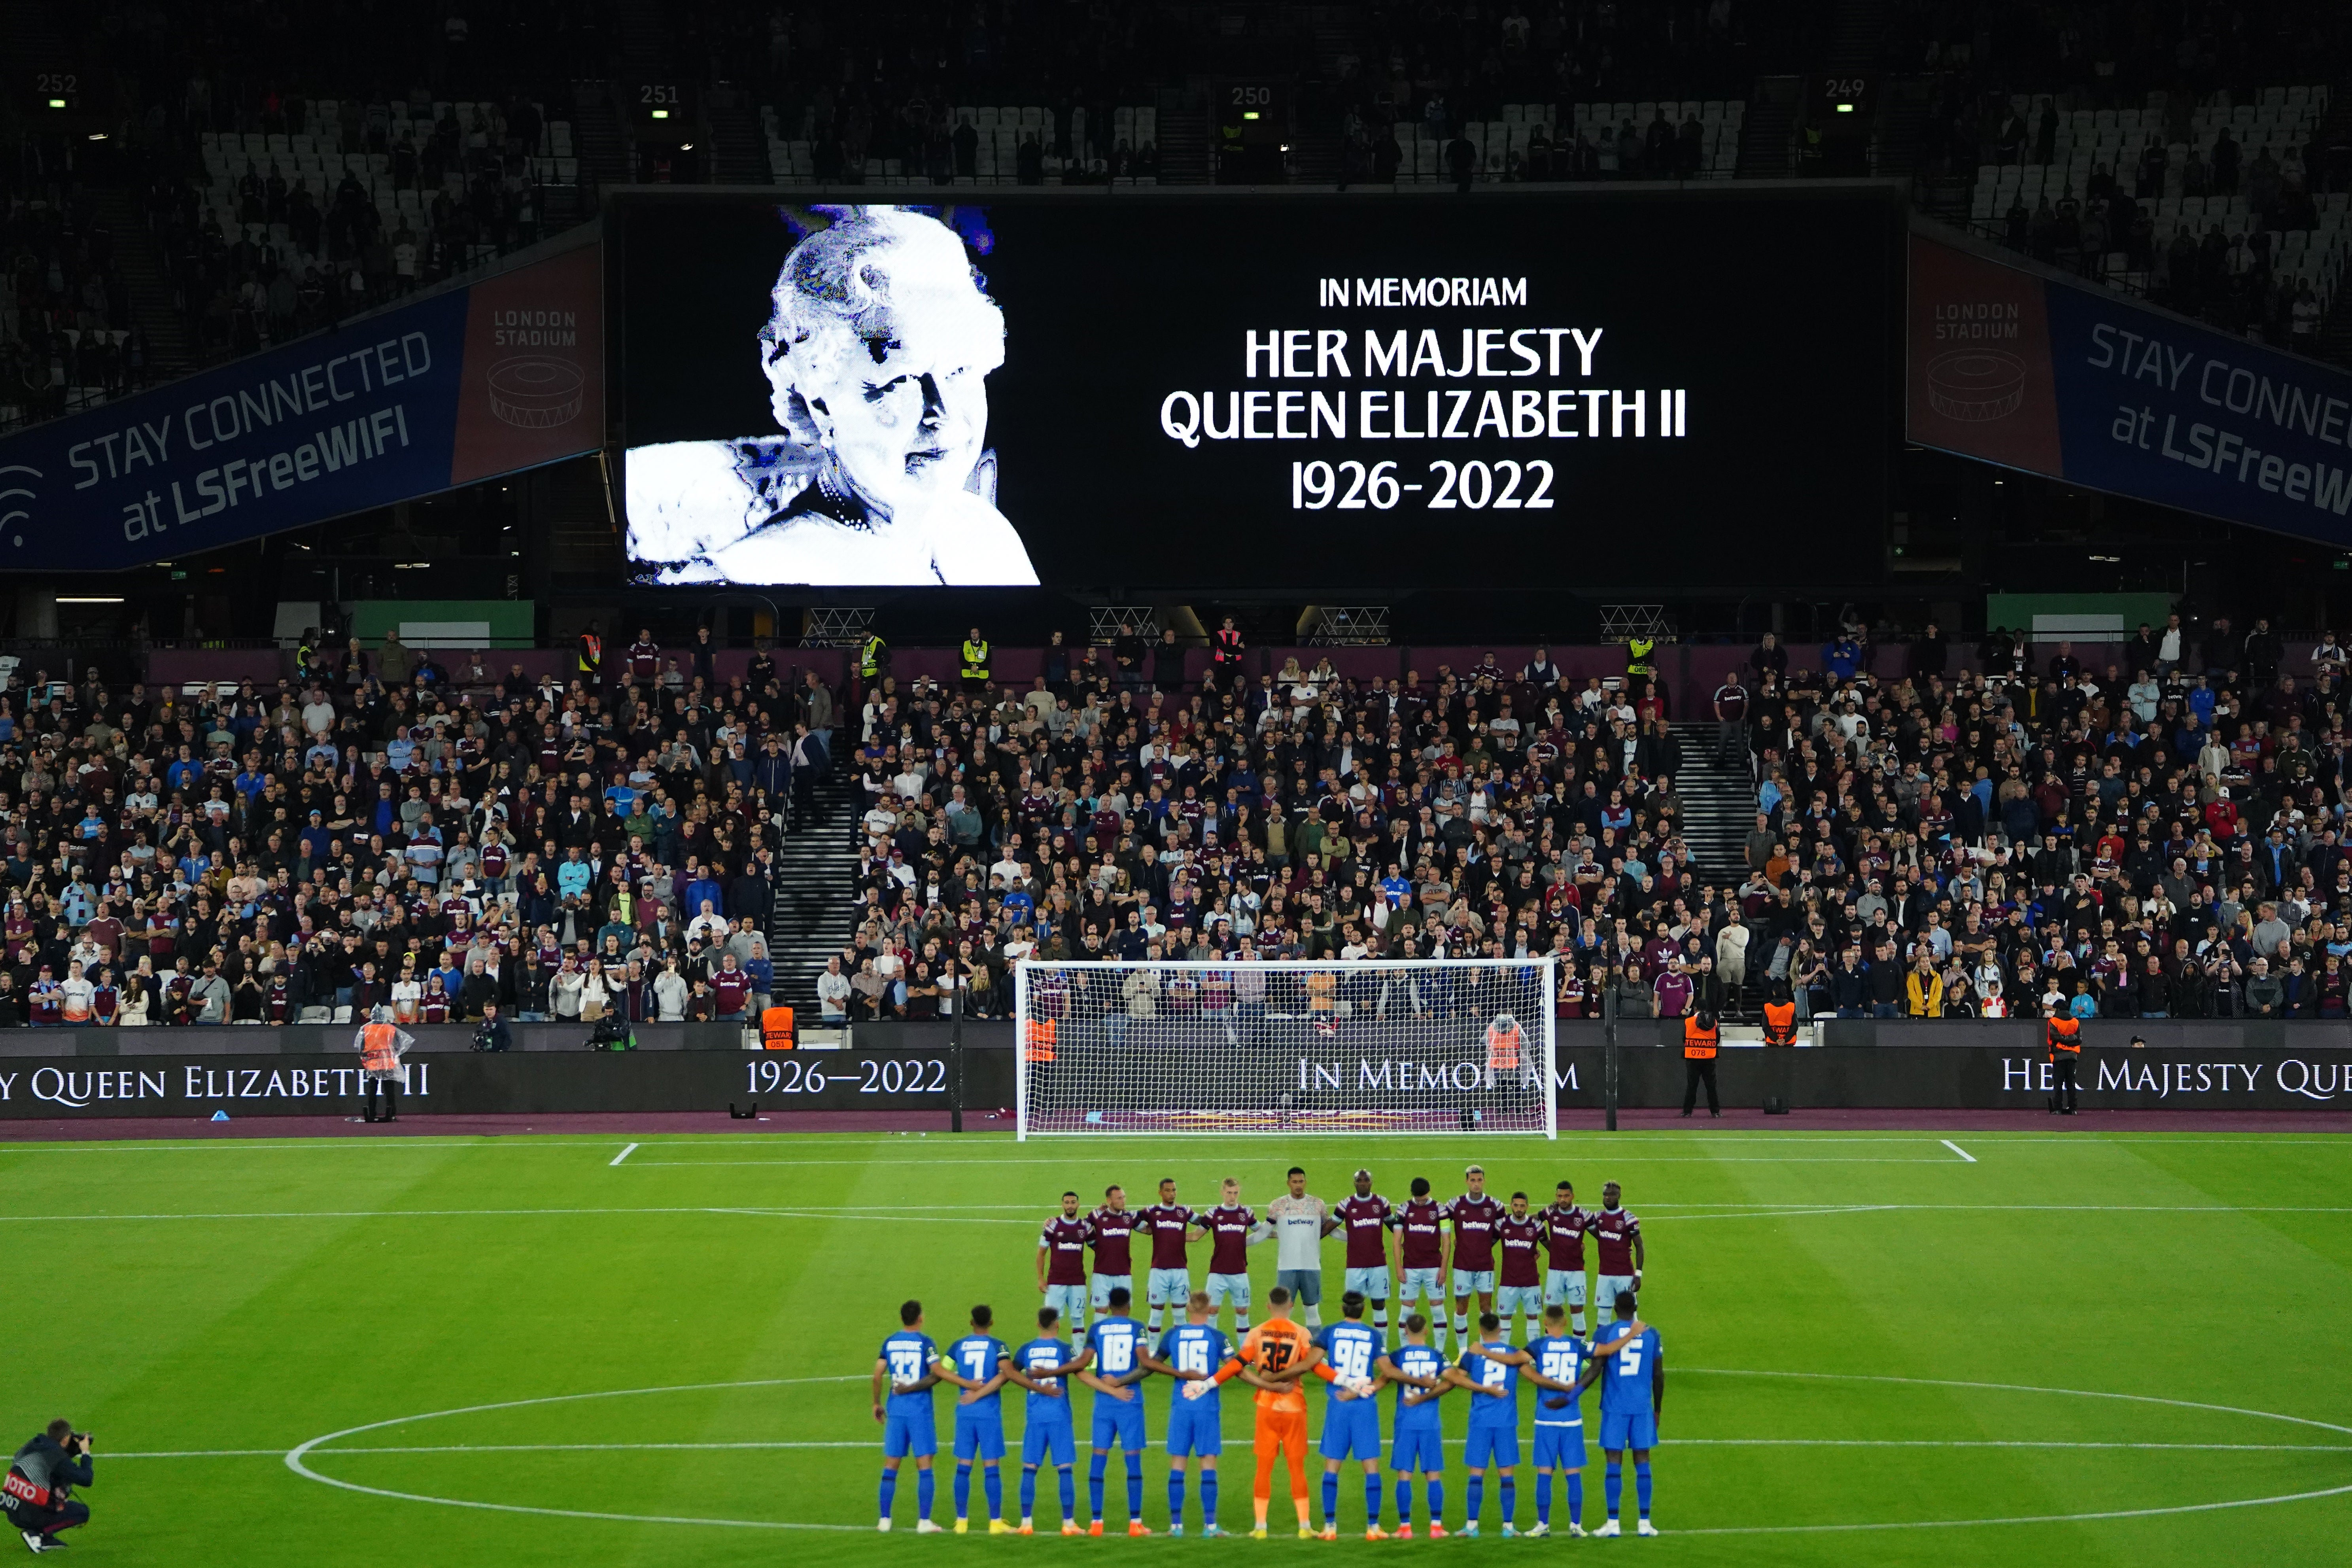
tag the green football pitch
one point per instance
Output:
(1880, 1347)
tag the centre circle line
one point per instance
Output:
(294, 1457)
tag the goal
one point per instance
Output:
(1426, 1045)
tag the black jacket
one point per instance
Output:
(45, 1462)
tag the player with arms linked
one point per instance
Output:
(1423, 1252)
(1061, 1262)
(1274, 1356)
(1043, 1366)
(1418, 1369)
(1633, 1399)
(1232, 1228)
(1491, 1370)
(1364, 1216)
(1116, 1377)
(1564, 1358)
(1352, 1415)
(1474, 1217)
(1192, 1351)
(1168, 1286)
(908, 1365)
(980, 1364)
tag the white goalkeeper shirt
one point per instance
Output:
(1297, 1230)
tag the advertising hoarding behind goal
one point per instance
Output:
(1416, 1046)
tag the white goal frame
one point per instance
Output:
(1458, 1101)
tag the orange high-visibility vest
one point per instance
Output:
(380, 1049)
(1039, 1045)
(1698, 1045)
(776, 1029)
(1503, 1049)
(2064, 1035)
(1779, 1023)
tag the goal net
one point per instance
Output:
(1428, 1045)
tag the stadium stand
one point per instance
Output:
(2150, 829)
(2014, 821)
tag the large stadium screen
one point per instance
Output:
(1246, 391)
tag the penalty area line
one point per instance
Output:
(1955, 1148)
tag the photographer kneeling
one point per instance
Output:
(37, 1492)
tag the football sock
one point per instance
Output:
(1612, 1486)
(1175, 1496)
(1155, 1320)
(1134, 1487)
(1510, 1499)
(1436, 1500)
(1642, 1487)
(1462, 1325)
(993, 1486)
(1095, 1484)
(1576, 1320)
(1477, 1497)
(1069, 1491)
(1330, 1497)
(1371, 1497)
(1381, 1321)
(1543, 1496)
(1028, 1492)
(963, 1490)
(1576, 1496)
(1208, 1497)
(889, 1491)
(1314, 1317)
(1404, 1499)
(926, 1488)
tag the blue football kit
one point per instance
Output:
(1629, 1415)
(1194, 1426)
(909, 1425)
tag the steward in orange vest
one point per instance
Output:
(1701, 1036)
(1506, 1052)
(1038, 1047)
(2063, 1036)
(1779, 1023)
(381, 1044)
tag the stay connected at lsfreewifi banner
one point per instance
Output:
(502, 374)
(2035, 371)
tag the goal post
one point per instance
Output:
(1370, 1046)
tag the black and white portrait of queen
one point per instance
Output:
(877, 351)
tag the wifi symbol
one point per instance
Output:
(9, 518)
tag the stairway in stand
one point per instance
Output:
(816, 881)
(1718, 805)
(171, 352)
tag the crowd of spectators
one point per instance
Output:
(2152, 832)
(265, 240)
(389, 827)
(2178, 203)
(66, 335)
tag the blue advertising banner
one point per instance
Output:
(2038, 372)
(500, 375)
